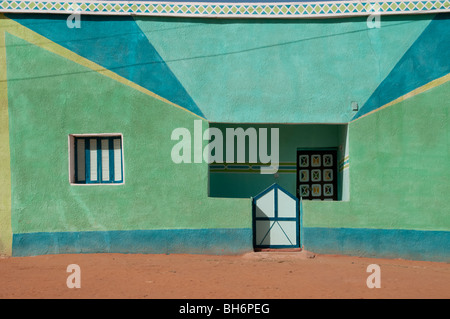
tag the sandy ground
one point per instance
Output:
(259, 275)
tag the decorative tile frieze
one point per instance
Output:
(229, 9)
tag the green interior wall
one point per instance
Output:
(398, 169)
(157, 193)
(291, 137)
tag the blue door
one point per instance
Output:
(276, 219)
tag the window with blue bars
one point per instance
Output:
(98, 159)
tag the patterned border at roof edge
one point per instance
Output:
(228, 10)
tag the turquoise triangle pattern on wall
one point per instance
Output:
(426, 60)
(118, 45)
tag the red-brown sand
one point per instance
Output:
(266, 275)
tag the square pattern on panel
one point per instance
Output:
(317, 175)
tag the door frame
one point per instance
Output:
(275, 187)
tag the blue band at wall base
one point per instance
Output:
(379, 243)
(193, 241)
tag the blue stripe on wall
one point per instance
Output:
(192, 241)
(379, 243)
(363, 242)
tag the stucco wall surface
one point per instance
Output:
(145, 77)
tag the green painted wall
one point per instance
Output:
(281, 71)
(236, 71)
(398, 169)
(342, 165)
(157, 193)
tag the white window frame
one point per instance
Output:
(73, 160)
